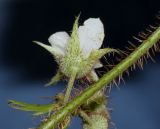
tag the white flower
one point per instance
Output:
(81, 52)
(91, 36)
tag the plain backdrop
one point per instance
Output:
(25, 67)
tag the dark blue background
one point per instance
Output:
(25, 67)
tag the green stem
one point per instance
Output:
(69, 87)
(104, 81)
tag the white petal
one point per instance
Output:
(94, 76)
(59, 40)
(98, 64)
(91, 35)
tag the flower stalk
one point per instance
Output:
(70, 86)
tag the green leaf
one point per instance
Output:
(38, 109)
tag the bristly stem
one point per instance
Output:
(104, 81)
(70, 86)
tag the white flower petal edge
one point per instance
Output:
(98, 64)
(59, 40)
(91, 35)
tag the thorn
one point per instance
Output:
(114, 82)
(153, 51)
(110, 87)
(131, 68)
(140, 63)
(139, 40)
(148, 54)
(127, 71)
(119, 79)
(149, 30)
(156, 47)
(134, 66)
(130, 49)
(153, 27)
(134, 46)
(123, 80)
(124, 52)
(143, 35)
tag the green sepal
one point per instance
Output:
(97, 54)
(52, 50)
(55, 79)
(38, 109)
(86, 65)
(73, 48)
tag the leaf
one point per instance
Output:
(38, 109)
